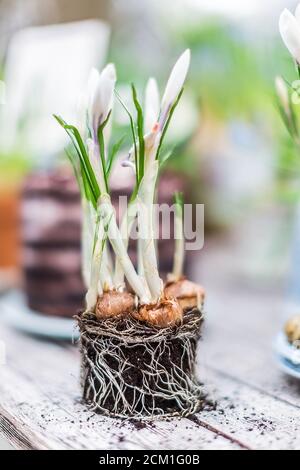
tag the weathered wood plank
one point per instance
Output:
(242, 321)
(46, 399)
(251, 416)
(18, 434)
(249, 338)
(49, 403)
(258, 407)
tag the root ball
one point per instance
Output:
(132, 369)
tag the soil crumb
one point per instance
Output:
(138, 424)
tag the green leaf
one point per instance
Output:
(76, 170)
(284, 118)
(134, 193)
(293, 118)
(86, 169)
(96, 233)
(165, 158)
(179, 202)
(168, 122)
(102, 149)
(87, 190)
(133, 135)
(112, 154)
(179, 199)
(289, 121)
(140, 129)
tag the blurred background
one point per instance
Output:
(231, 153)
(231, 150)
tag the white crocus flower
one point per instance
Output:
(154, 120)
(81, 113)
(174, 85)
(151, 113)
(297, 12)
(101, 91)
(152, 105)
(289, 27)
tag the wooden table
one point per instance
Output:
(258, 407)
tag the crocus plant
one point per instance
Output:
(288, 100)
(288, 93)
(92, 159)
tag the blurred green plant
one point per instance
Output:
(228, 74)
(232, 75)
(288, 139)
(13, 166)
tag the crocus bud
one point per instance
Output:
(289, 28)
(81, 107)
(101, 90)
(174, 85)
(297, 12)
(151, 105)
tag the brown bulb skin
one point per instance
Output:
(188, 294)
(164, 314)
(113, 303)
(292, 329)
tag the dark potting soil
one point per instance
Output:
(133, 375)
(151, 356)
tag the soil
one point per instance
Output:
(153, 357)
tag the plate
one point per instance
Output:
(15, 312)
(288, 357)
(288, 367)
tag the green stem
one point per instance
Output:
(108, 215)
(146, 231)
(127, 223)
(179, 239)
(92, 293)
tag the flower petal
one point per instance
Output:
(289, 29)
(174, 84)
(297, 12)
(91, 88)
(101, 92)
(151, 144)
(152, 105)
(106, 87)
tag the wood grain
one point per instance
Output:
(257, 406)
